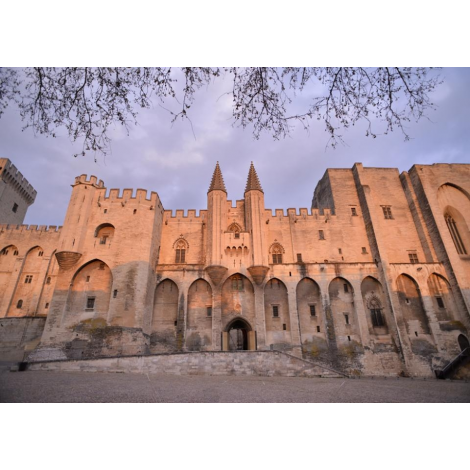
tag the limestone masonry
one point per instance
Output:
(374, 279)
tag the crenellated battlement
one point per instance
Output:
(32, 228)
(11, 175)
(239, 204)
(128, 196)
(190, 214)
(82, 179)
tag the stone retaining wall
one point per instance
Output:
(260, 363)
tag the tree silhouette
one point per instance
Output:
(87, 101)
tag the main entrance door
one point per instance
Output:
(238, 336)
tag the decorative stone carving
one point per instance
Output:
(216, 273)
(67, 259)
(258, 273)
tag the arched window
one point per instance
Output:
(277, 252)
(454, 232)
(104, 232)
(375, 307)
(19, 304)
(180, 251)
(235, 228)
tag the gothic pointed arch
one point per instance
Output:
(276, 251)
(28, 279)
(411, 306)
(455, 205)
(90, 293)
(442, 297)
(8, 257)
(310, 311)
(199, 323)
(181, 247)
(345, 321)
(375, 305)
(276, 311)
(238, 299)
(165, 317)
(234, 227)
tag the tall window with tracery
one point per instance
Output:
(180, 252)
(375, 307)
(277, 251)
(454, 233)
(235, 228)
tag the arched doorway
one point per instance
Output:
(238, 336)
(463, 342)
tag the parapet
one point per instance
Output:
(82, 179)
(191, 214)
(141, 196)
(10, 174)
(31, 228)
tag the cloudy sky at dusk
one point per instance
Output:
(178, 163)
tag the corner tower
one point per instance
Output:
(16, 194)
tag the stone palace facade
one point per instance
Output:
(373, 279)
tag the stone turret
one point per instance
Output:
(217, 182)
(216, 217)
(254, 209)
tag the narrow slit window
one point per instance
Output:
(209, 311)
(318, 329)
(15, 207)
(346, 288)
(346, 318)
(312, 311)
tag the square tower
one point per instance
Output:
(16, 194)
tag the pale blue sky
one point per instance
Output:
(168, 158)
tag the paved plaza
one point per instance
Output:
(45, 386)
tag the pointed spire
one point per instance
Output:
(253, 180)
(217, 182)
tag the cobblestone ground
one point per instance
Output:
(43, 386)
